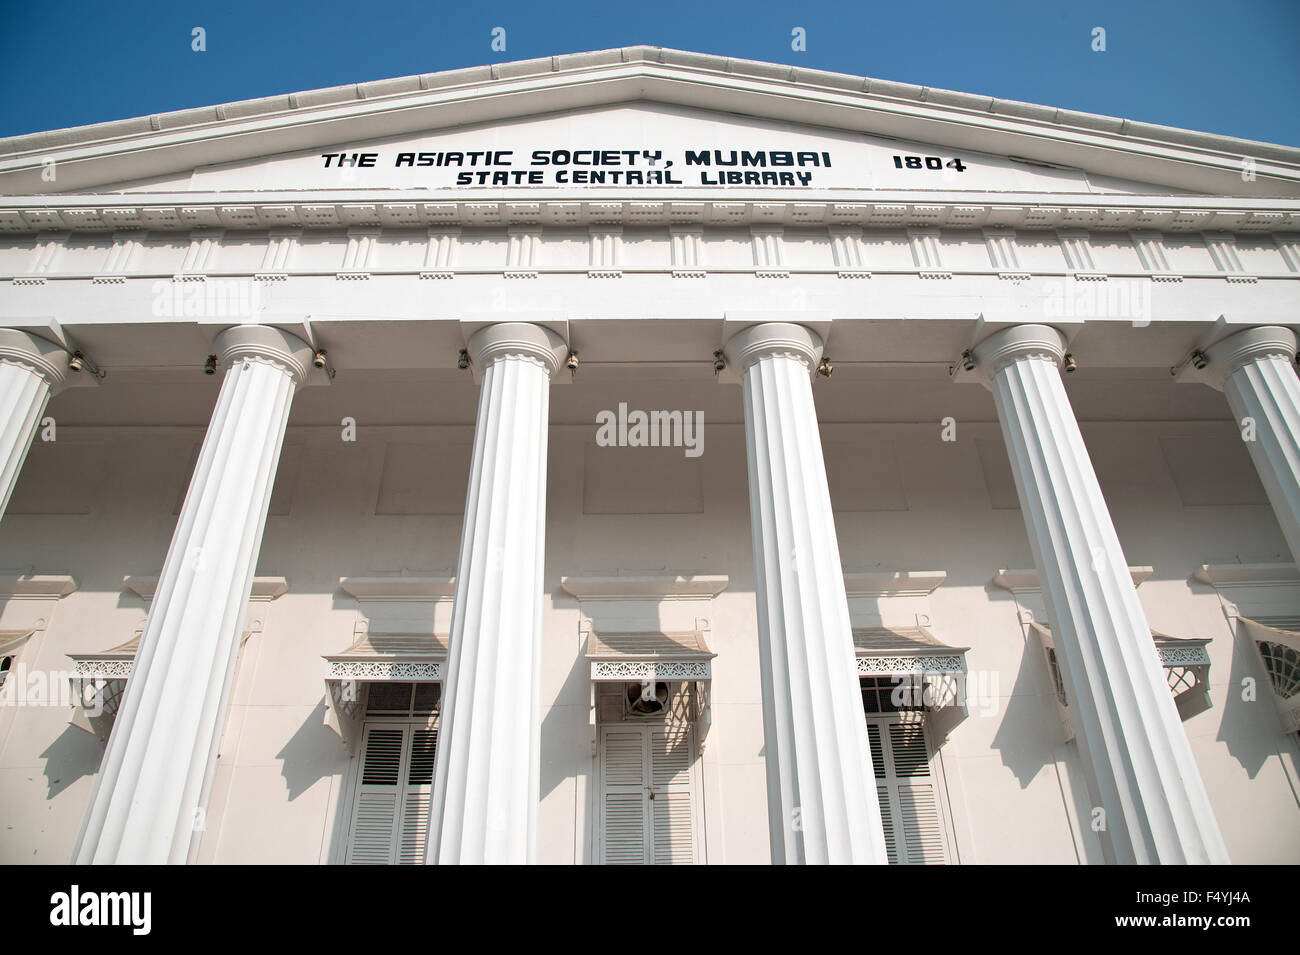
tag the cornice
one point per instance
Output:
(37, 585)
(902, 583)
(399, 588)
(335, 209)
(1026, 581)
(1221, 575)
(624, 588)
(264, 588)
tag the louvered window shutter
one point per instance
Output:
(908, 792)
(647, 793)
(672, 824)
(416, 800)
(379, 793)
(623, 768)
(390, 817)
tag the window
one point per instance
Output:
(887, 694)
(647, 794)
(909, 782)
(394, 786)
(11, 642)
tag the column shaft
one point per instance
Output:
(150, 796)
(1156, 807)
(486, 785)
(1259, 380)
(822, 804)
(31, 370)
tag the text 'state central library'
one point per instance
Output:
(648, 457)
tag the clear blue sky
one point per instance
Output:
(1225, 66)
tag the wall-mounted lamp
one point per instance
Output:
(1069, 364)
(318, 359)
(1199, 359)
(462, 360)
(210, 366)
(78, 362)
(967, 361)
(719, 362)
(825, 368)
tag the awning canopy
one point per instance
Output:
(1187, 671)
(114, 663)
(377, 658)
(98, 683)
(11, 640)
(412, 657)
(928, 670)
(681, 655)
(896, 651)
(1280, 651)
(652, 656)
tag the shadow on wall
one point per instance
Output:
(312, 753)
(72, 755)
(558, 726)
(1249, 729)
(1017, 740)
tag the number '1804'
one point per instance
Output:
(927, 162)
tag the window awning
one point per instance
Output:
(98, 683)
(646, 656)
(114, 663)
(916, 660)
(896, 651)
(682, 655)
(377, 658)
(11, 640)
(1186, 661)
(1279, 648)
(412, 657)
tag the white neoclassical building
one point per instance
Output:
(642, 456)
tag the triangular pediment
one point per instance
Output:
(635, 99)
(637, 146)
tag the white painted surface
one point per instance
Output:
(821, 791)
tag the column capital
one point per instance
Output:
(266, 344)
(1019, 341)
(45, 358)
(1247, 345)
(768, 339)
(534, 343)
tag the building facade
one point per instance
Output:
(647, 457)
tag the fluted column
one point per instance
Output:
(1156, 807)
(31, 371)
(154, 780)
(486, 785)
(1255, 369)
(821, 790)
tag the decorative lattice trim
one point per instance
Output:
(650, 670)
(383, 670)
(921, 663)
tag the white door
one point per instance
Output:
(908, 789)
(390, 811)
(647, 797)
